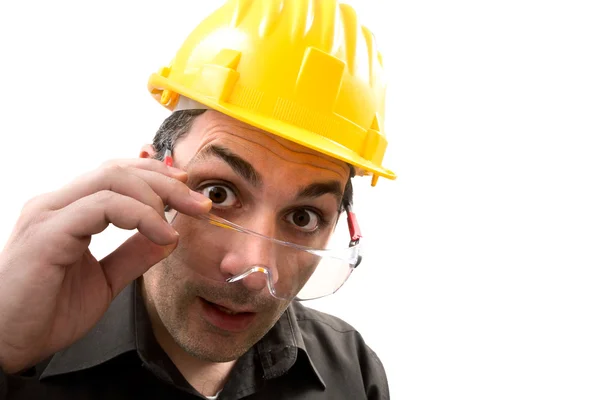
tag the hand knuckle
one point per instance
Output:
(35, 210)
(33, 204)
(107, 164)
(148, 211)
(157, 202)
(114, 169)
(103, 196)
(172, 182)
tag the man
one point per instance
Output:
(276, 106)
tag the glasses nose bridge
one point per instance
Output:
(250, 254)
(247, 251)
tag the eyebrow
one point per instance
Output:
(318, 189)
(244, 169)
(240, 166)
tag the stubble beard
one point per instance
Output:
(174, 303)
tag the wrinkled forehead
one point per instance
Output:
(259, 147)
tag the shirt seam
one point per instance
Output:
(329, 325)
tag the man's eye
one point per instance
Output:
(220, 195)
(304, 219)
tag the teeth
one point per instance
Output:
(225, 310)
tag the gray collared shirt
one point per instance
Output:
(306, 355)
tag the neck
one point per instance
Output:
(207, 377)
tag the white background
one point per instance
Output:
(482, 279)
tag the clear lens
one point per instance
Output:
(285, 269)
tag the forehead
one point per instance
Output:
(266, 152)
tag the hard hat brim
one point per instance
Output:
(282, 129)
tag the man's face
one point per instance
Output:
(270, 184)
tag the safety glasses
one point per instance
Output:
(287, 270)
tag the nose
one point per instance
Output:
(246, 252)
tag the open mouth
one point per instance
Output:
(225, 318)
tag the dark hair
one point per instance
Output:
(176, 125)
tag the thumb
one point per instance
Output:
(133, 258)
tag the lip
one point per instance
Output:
(232, 323)
(233, 308)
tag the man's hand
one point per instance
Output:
(52, 289)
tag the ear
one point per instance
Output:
(147, 151)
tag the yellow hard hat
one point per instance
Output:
(304, 70)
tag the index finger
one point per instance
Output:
(150, 164)
(80, 187)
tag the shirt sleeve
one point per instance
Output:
(3, 385)
(22, 385)
(374, 376)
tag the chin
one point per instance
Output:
(204, 341)
(210, 320)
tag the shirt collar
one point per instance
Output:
(283, 346)
(112, 336)
(125, 327)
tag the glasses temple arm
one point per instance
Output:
(355, 234)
